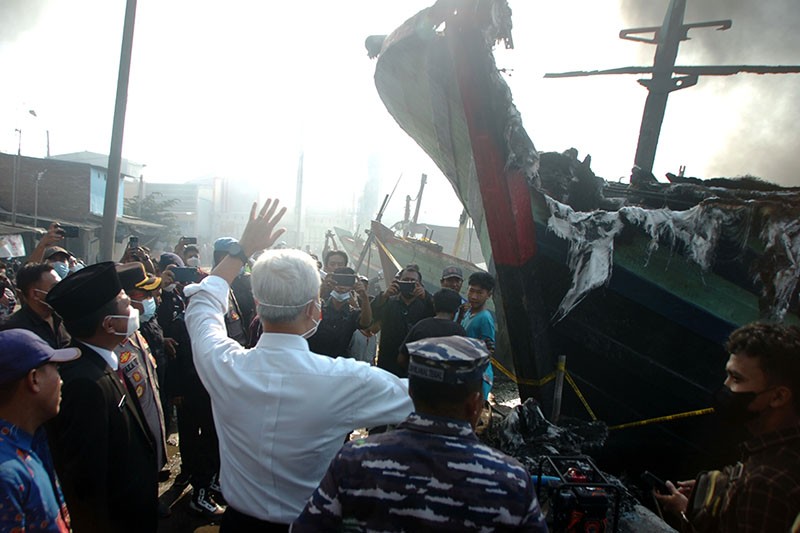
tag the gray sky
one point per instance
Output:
(238, 88)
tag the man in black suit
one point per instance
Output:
(103, 450)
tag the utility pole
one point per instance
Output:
(109, 229)
(667, 38)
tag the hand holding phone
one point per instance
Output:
(344, 280)
(186, 274)
(653, 481)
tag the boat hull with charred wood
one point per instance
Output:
(638, 285)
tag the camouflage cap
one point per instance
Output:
(455, 360)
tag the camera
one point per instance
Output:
(133, 242)
(407, 287)
(344, 280)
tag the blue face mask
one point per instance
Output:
(149, 306)
(61, 268)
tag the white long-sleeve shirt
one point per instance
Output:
(281, 411)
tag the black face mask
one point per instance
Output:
(731, 407)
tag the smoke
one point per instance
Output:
(764, 138)
(18, 16)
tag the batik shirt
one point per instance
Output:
(430, 474)
(30, 495)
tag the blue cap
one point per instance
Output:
(455, 360)
(21, 351)
(223, 243)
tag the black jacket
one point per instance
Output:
(103, 452)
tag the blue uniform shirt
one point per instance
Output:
(30, 495)
(429, 474)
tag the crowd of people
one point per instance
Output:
(268, 363)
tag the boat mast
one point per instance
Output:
(667, 39)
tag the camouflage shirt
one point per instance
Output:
(429, 474)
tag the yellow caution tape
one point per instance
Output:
(667, 418)
(580, 396)
(520, 381)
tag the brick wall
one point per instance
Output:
(63, 187)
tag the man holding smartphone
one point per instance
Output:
(341, 316)
(398, 308)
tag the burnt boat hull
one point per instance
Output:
(642, 344)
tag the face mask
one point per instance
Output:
(169, 288)
(340, 296)
(193, 262)
(61, 268)
(149, 305)
(133, 322)
(41, 300)
(310, 333)
(76, 267)
(731, 407)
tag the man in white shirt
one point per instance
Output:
(281, 411)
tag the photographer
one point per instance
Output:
(341, 315)
(398, 308)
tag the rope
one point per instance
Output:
(580, 396)
(562, 367)
(667, 418)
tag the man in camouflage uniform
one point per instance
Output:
(432, 472)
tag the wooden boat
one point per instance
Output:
(637, 285)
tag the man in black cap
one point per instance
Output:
(30, 394)
(431, 473)
(136, 359)
(103, 449)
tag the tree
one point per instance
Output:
(154, 208)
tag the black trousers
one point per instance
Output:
(198, 437)
(234, 522)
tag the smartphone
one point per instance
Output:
(653, 481)
(189, 240)
(186, 274)
(133, 242)
(344, 280)
(69, 232)
(407, 287)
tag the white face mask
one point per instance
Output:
(193, 262)
(169, 288)
(149, 306)
(76, 267)
(340, 296)
(310, 333)
(133, 322)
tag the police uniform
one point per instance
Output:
(431, 473)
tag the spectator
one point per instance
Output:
(30, 395)
(282, 411)
(478, 320)
(453, 278)
(762, 394)
(334, 259)
(34, 281)
(237, 321)
(103, 449)
(196, 430)
(402, 305)
(446, 303)
(364, 342)
(8, 302)
(431, 473)
(341, 316)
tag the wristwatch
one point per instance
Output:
(236, 250)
